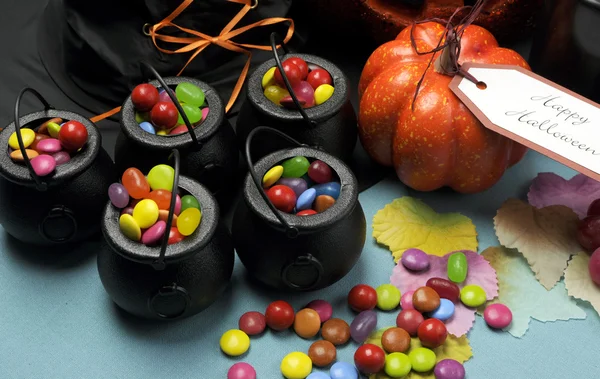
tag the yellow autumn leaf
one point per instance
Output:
(579, 281)
(454, 348)
(408, 223)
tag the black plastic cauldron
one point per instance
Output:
(168, 281)
(65, 206)
(208, 153)
(297, 252)
(331, 126)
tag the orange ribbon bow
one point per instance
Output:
(201, 41)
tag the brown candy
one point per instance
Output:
(445, 288)
(395, 340)
(43, 129)
(322, 353)
(323, 203)
(425, 299)
(307, 323)
(336, 331)
(17, 156)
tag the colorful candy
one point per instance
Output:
(397, 365)
(234, 342)
(323, 308)
(457, 267)
(252, 323)
(310, 87)
(594, 266)
(422, 359)
(135, 183)
(118, 195)
(444, 311)
(43, 164)
(320, 172)
(363, 325)
(473, 295)
(144, 97)
(72, 136)
(295, 167)
(322, 353)
(362, 298)
(282, 197)
(241, 370)
(188, 93)
(298, 185)
(449, 369)
(445, 288)
(161, 177)
(323, 203)
(188, 221)
(369, 359)
(272, 176)
(497, 316)
(279, 315)
(145, 213)
(27, 135)
(395, 340)
(296, 365)
(318, 375)
(188, 201)
(336, 331)
(307, 323)
(154, 233)
(129, 227)
(17, 156)
(306, 199)
(425, 299)
(432, 333)
(388, 297)
(409, 320)
(415, 260)
(343, 370)
(406, 300)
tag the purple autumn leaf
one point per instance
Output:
(576, 193)
(480, 273)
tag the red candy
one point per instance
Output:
(292, 72)
(317, 77)
(432, 333)
(445, 288)
(175, 236)
(178, 130)
(144, 97)
(283, 197)
(362, 298)
(306, 212)
(279, 315)
(588, 233)
(73, 135)
(410, 320)
(135, 183)
(320, 172)
(301, 64)
(252, 323)
(594, 208)
(164, 115)
(369, 359)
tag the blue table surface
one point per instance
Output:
(57, 322)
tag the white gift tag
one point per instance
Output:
(535, 112)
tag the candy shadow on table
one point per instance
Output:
(63, 257)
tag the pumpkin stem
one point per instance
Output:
(447, 62)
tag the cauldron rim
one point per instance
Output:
(318, 113)
(203, 132)
(344, 205)
(138, 252)
(19, 174)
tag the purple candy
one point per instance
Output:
(49, 145)
(322, 307)
(118, 195)
(449, 369)
(415, 260)
(304, 91)
(204, 113)
(128, 210)
(61, 157)
(154, 233)
(363, 325)
(43, 164)
(298, 185)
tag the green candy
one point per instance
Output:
(457, 267)
(161, 177)
(295, 167)
(189, 201)
(142, 117)
(194, 114)
(388, 297)
(189, 94)
(473, 296)
(422, 359)
(53, 129)
(397, 365)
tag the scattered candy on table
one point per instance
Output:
(409, 320)
(369, 359)
(388, 297)
(363, 325)
(307, 323)
(343, 370)
(406, 300)
(49, 146)
(311, 88)
(156, 113)
(497, 316)
(279, 315)
(422, 359)
(318, 375)
(444, 288)
(296, 365)
(395, 340)
(432, 333)
(425, 299)
(145, 202)
(252, 323)
(444, 312)
(415, 260)
(362, 298)
(241, 370)
(323, 308)
(457, 267)
(322, 353)
(234, 342)
(336, 331)
(286, 185)
(397, 365)
(473, 295)
(449, 369)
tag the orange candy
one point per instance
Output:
(135, 182)
(162, 198)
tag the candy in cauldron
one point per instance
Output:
(208, 151)
(168, 281)
(331, 125)
(298, 252)
(46, 206)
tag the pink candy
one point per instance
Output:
(204, 113)
(154, 233)
(323, 308)
(43, 164)
(241, 370)
(406, 300)
(49, 145)
(497, 316)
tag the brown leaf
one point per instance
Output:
(579, 282)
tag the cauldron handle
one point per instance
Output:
(159, 263)
(39, 183)
(288, 85)
(291, 231)
(164, 85)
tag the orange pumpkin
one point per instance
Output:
(439, 143)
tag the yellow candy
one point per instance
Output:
(53, 129)
(269, 78)
(234, 342)
(272, 176)
(323, 93)
(129, 227)
(296, 365)
(146, 213)
(162, 132)
(161, 177)
(275, 93)
(188, 221)
(27, 135)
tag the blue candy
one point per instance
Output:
(444, 311)
(331, 189)
(306, 199)
(318, 375)
(147, 127)
(343, 370)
